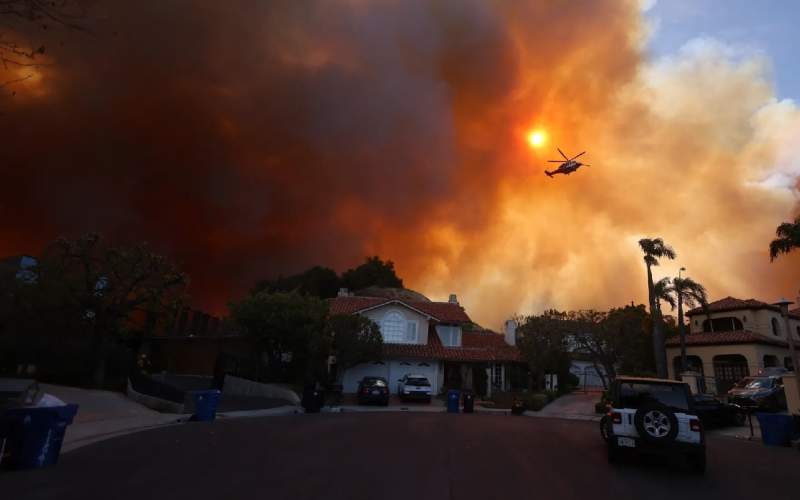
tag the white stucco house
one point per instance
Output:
(434, 339)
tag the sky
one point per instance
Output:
(769, 28)
(251, 139)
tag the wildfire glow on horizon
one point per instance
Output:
(416, 131)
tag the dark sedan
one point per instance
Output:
(373, 390)
(715, 413)
(763, 393)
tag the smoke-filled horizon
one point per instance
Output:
(261, 139)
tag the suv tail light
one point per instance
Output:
(616, 417)
(694, 425)
(366, 390)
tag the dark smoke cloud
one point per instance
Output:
(248, 139)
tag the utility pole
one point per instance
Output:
(783, 303)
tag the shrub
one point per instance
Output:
(536, 402)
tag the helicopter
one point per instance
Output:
(568, 165)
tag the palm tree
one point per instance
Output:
(689, 292)
(655, 249)
(788, 238)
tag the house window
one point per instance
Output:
(450, 335)
(776, 329)
(396, 330)
(725, 324)
(497, 375)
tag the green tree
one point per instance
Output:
(356, 339)
(101, 291)
(788, 239)
(543, 344)
(290, 332)
(317, 281)
(686, 291)
(653, 250)
(373, 272)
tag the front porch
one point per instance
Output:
(485, 378)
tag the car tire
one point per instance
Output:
(656, 423)
(428, 400)
(739, 418)
(604, 425)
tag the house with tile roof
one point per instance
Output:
(733, 338)
(434, 339)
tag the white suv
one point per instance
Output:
(414, 387)
(654, 416)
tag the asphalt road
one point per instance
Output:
(394, 456)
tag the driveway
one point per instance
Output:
(392, 456)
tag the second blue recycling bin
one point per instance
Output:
(205, 403)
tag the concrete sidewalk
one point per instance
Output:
(575, 406)
(104, 414)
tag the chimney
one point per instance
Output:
(511, 332)
(343, 292)
(453, 299)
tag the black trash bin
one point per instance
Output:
(313, 398)
(468, 400)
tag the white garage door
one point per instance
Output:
(399, 368)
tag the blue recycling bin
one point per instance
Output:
(33, 436)
(453, 397)
(205, 405)
(776, 429)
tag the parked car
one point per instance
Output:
(414, 387)
(715, 413)
(373, 390)
(763, 392)
(654, 416)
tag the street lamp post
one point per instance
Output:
(783, 303)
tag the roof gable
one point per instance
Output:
(443, 312)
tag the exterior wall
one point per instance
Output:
(377, 315)
(754, 353)
(755, 320)
(393, 370)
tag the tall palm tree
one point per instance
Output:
(788, 238)
(655, 249)
(689, 292)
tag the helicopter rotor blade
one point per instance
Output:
(556, 161)
(562, 154)
(578, 155)
(585, 165)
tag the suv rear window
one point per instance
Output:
(379, 382)
(636, 394)
(419, 382)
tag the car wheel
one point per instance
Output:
(739, 418)
(428, 400)
(656, 423)
(604, 428)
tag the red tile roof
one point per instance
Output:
(476, 347)
(734, 304)
(721, 338)
(443, 312)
